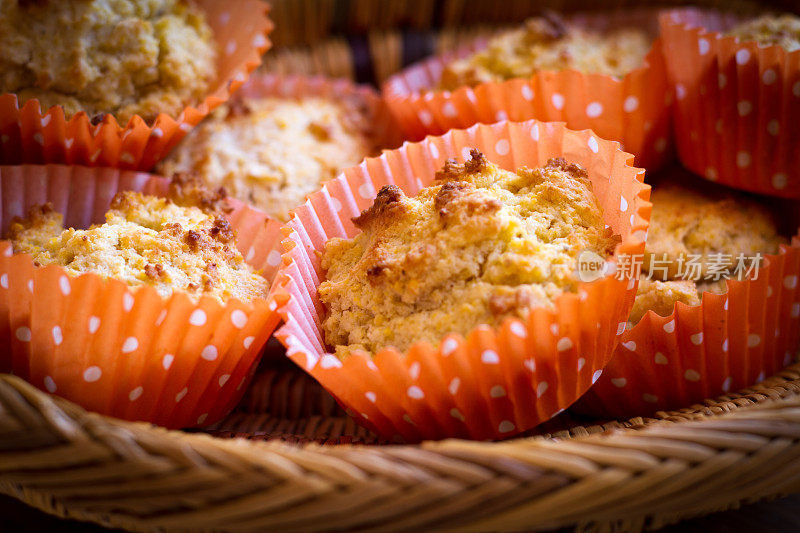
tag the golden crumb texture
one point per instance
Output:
(181, 243)
(714, 228)
(123, 57)
(272, 152)
(477, 245)
(549, 43)
(768, 30)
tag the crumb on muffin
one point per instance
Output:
(549, 43)
(768, 30)
(122, 57)
(180, 243)
(477, 245)
(714, 229)
(272, 152)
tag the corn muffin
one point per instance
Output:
(477, 245)
(272, 152)
(548, 43)
(693, 243)
(768, 30)
(180, 243)
(123, 57)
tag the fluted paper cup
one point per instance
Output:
(633, 110)
(728, 342)
(737, 104)
(117, 350)
(496, 382)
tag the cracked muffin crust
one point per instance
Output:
(123, 57)
(272, 152)
(549, 43)
(715, 227)
(767, 30)
(180, 243)
(477, 245)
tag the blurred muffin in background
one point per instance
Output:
(123, 57)
(549, 43)
(271, 152)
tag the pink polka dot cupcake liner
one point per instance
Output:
(737, 104)
(113, 349)
(495, 382)
(29, 134)
(728, 342)
(633, 110)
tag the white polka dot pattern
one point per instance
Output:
(23, 334)
(490, 357)
(198, 317)
(92, 374)
(63, 284)
(502, 147)
(594, 110)
(506, 426)
(742, 56)
(209, 353)
(58, 337)
(131, 344)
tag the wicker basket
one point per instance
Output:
(298, 463)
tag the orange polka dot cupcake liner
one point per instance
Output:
(495, 382)
(119, 351)
(728, 342)
(633, 110)
(737, 104)
(29, 134)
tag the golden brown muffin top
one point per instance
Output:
(123, 57)
(767, 30)
(715, 226)
(271, 152)
(180, 243)
(709, 229)
(477, 245)
(549, 43)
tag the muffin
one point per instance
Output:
(695, 237)
(181, 243)
(124, 57)
(271, 152)
(478, 245)
(768, 30)
(549, 43)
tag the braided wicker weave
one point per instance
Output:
(66, 461)
(304, 465)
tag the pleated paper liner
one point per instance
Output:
(263, 85)
(34, 135)
(737, 104)
(633, 110)
(498, 381)
(117, 350)
(728, 342)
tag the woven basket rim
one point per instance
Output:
(771, 389)
(609, 461)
